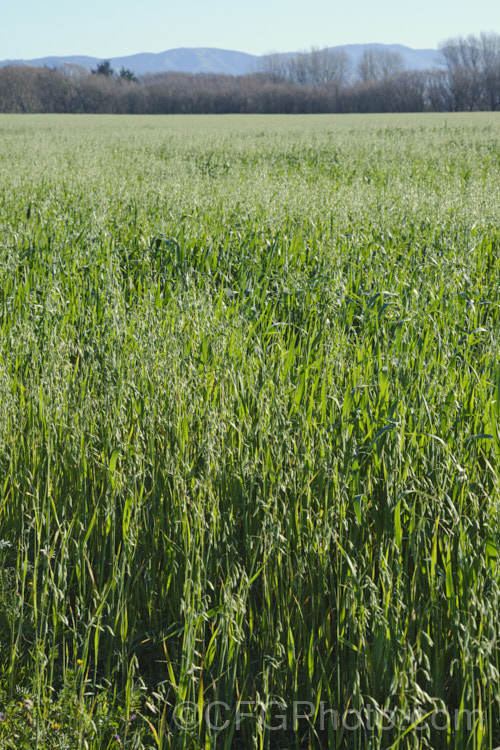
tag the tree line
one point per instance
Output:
(316, 81)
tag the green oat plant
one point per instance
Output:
(250, 394)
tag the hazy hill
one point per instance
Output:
(209, 60)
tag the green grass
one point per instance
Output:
(249, 442)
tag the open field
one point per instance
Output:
(249, 434)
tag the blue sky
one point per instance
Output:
(110, 28)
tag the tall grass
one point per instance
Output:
(249, 439)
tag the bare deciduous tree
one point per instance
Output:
(489, 61)
(315, 68)
(461, 56)
(377, 65)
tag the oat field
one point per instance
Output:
(250, 432)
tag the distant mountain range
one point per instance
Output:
(209, 60)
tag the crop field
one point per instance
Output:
(250, 432)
